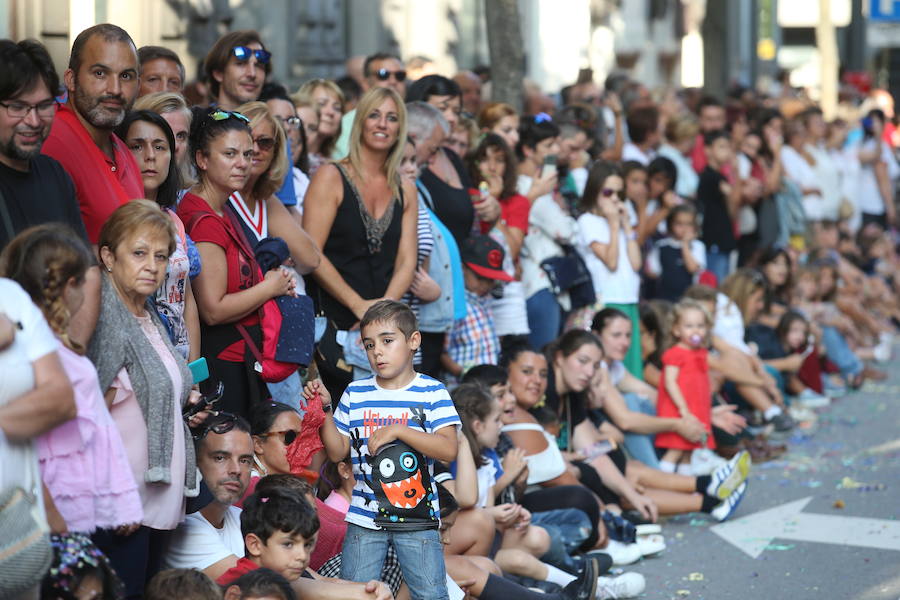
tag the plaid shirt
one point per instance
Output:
(473, 339)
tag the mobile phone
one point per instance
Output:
(204, 403)
(600, 448)
(549, 166)
(199, 370)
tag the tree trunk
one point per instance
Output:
(507, 54)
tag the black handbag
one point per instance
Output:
(568, 273)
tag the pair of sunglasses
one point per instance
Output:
(385, 74)
(222, 115)
(265, 143)
(244, 53)
(287, 436)
(222, 423)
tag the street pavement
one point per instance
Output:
(843, 544)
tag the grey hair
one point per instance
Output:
(422, 118)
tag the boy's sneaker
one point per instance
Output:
(651, 545)
(725, 510)
(782, 422)
(627, 585)
(810, 399)
(729, 476)
(704, 461)
(622, 553)
(585, 585)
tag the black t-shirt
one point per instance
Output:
(44, 194)
(718, 229)
(766, 340)
(453, 206)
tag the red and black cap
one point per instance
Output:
(484, 255)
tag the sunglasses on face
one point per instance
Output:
(224, 423)
(385, 74)
(609, 192)
(244, 53)
(290, 122)
(265, 143)
(287, 436)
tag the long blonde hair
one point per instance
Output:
(270, 181)
(306, 91)
(371, 100)
(742, 284)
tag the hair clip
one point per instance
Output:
(264, 499)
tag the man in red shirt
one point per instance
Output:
(102, 82)
(710, 117)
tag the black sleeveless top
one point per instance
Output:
(452, 205)
(365, 267)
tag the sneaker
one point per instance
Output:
(782, 422)
(725, 510)
(729, 476)
(602, 562)
(802, 414)
(585, 585)
(810, 399)
(704, 461)
(651, 545)
(622, 553)
(882, 352)
(627, 585)
(648, 529)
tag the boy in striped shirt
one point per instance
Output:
(394, 425)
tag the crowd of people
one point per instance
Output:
(382, 338)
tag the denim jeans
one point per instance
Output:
(719, 263)
(838, 352)
(568, 528)
(640, 445)
(544, 318)
(420, 553)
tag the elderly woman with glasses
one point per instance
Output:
(230, 289)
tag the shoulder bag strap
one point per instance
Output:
(4, 215)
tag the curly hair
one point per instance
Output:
(43, 260)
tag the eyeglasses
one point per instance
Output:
(265, 143)
(385, 74)
(287, 436)
(224, 422)
(244, 53)
(290, 122)
(20, 110)
(222, 115)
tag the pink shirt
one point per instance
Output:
(163, 503)
(83, 461)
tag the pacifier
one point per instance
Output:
(696, 339)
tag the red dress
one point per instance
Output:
(693, 381)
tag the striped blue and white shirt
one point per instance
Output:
(400, 489)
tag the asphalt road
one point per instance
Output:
(849, 467)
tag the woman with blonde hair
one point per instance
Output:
(364, 219)
(328, 99)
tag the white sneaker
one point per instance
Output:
(725, 510)
(810, 399)
(704, 461)
(729, 476)
(882, 352)
(651, 544)
(627, 585)
(802, 414)
(648, 529)
(622, 553)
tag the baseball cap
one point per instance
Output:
(484, 255)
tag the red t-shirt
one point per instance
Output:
(101, 184)
(332, 531)
(221, 232)
(243, 566)
(514, 210)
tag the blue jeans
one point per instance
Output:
(838, 352)
(640, 445)
(420, 553)
(719, 263)
(568, 529)
(544, 318)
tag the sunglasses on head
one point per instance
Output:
(222, 115)
(224, 422)
(385, 74)
(244, 53)
(287, 436)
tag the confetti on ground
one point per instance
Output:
(780, 547)
(695, 577)
(839, 504)
(683, 593)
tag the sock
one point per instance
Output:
(558, 576)
(703, 482)
(500, 588)
(666, 466)
(709, 503)
(684, 469)
(772, 411)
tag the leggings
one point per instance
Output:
(566, 496)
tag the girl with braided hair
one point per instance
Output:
(83, 462)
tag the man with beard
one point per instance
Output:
(34, 189)
(102, 81)
(236, 67)
(211, 540)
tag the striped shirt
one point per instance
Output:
(399, 491)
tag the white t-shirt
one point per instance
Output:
(620, 286)
(398, 487)
(631, 152)
(196, 544)
(34, 340)
(729, 323)
(868, 195)
(804, 175)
